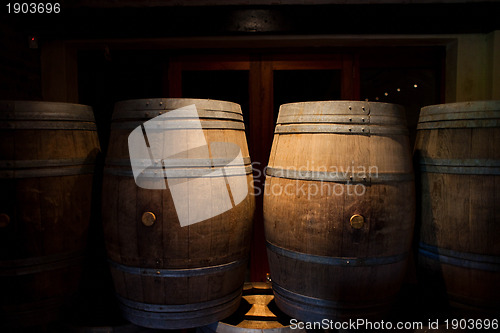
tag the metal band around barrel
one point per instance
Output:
(203, 114)
(48, 125)
(340, 129)
(40, 264)
(185, 173)
(64, 115)
(339, 177)
(179, 308)
(461, 259)
(174, 104)
(23, 164)
(323, 304)
(341, 108)
(472, 123)
(47, 172)
(188, 272)
(451, 116)
(183, 124)
(176, 163)
(336, 261)
(460, 166)
(340, 119)
(337, 119)
(470, 107)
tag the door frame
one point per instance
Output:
(59, 74)
(261, 67)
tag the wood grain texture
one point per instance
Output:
(59, 72)
(41, 248)
(261, 133)
(167, 246)
(459, 208)
(312, 217)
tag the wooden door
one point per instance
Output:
(260, 83)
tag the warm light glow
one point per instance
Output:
(376, 98)
(387, 94)
(398, 89)
(415, 85)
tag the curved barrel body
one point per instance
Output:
(338, 208)
(47, 156)
(178, 207)
(458, 153)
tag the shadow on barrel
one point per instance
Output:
(431, 300)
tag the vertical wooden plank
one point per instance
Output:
(261, 125)
(174, 78)
(126, 221)
(165, 79)
(482, 222)
(71, 75)
(441, 70)
(356, 77)
(150, 241)
(29, 222)
(254, 87)
(350, 87)
(494, 58)
(261, 120)
(59, 69)
(451, 72)
(355, 242)
(110, 216)
(8, 202)
(266, 109)
(52, 71)
(472, 68)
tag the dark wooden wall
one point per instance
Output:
(19, 65)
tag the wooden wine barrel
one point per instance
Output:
(458, 153)
(169, 272)
(47, 156)
(338, 208)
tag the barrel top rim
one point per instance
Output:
(343, 102)
(44, 111)
(119, 105)
(33, 102)
(468, 106)
(341, 107)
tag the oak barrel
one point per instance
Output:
(458, 153)
(338, 208)
(47, 156)
(177, 207)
